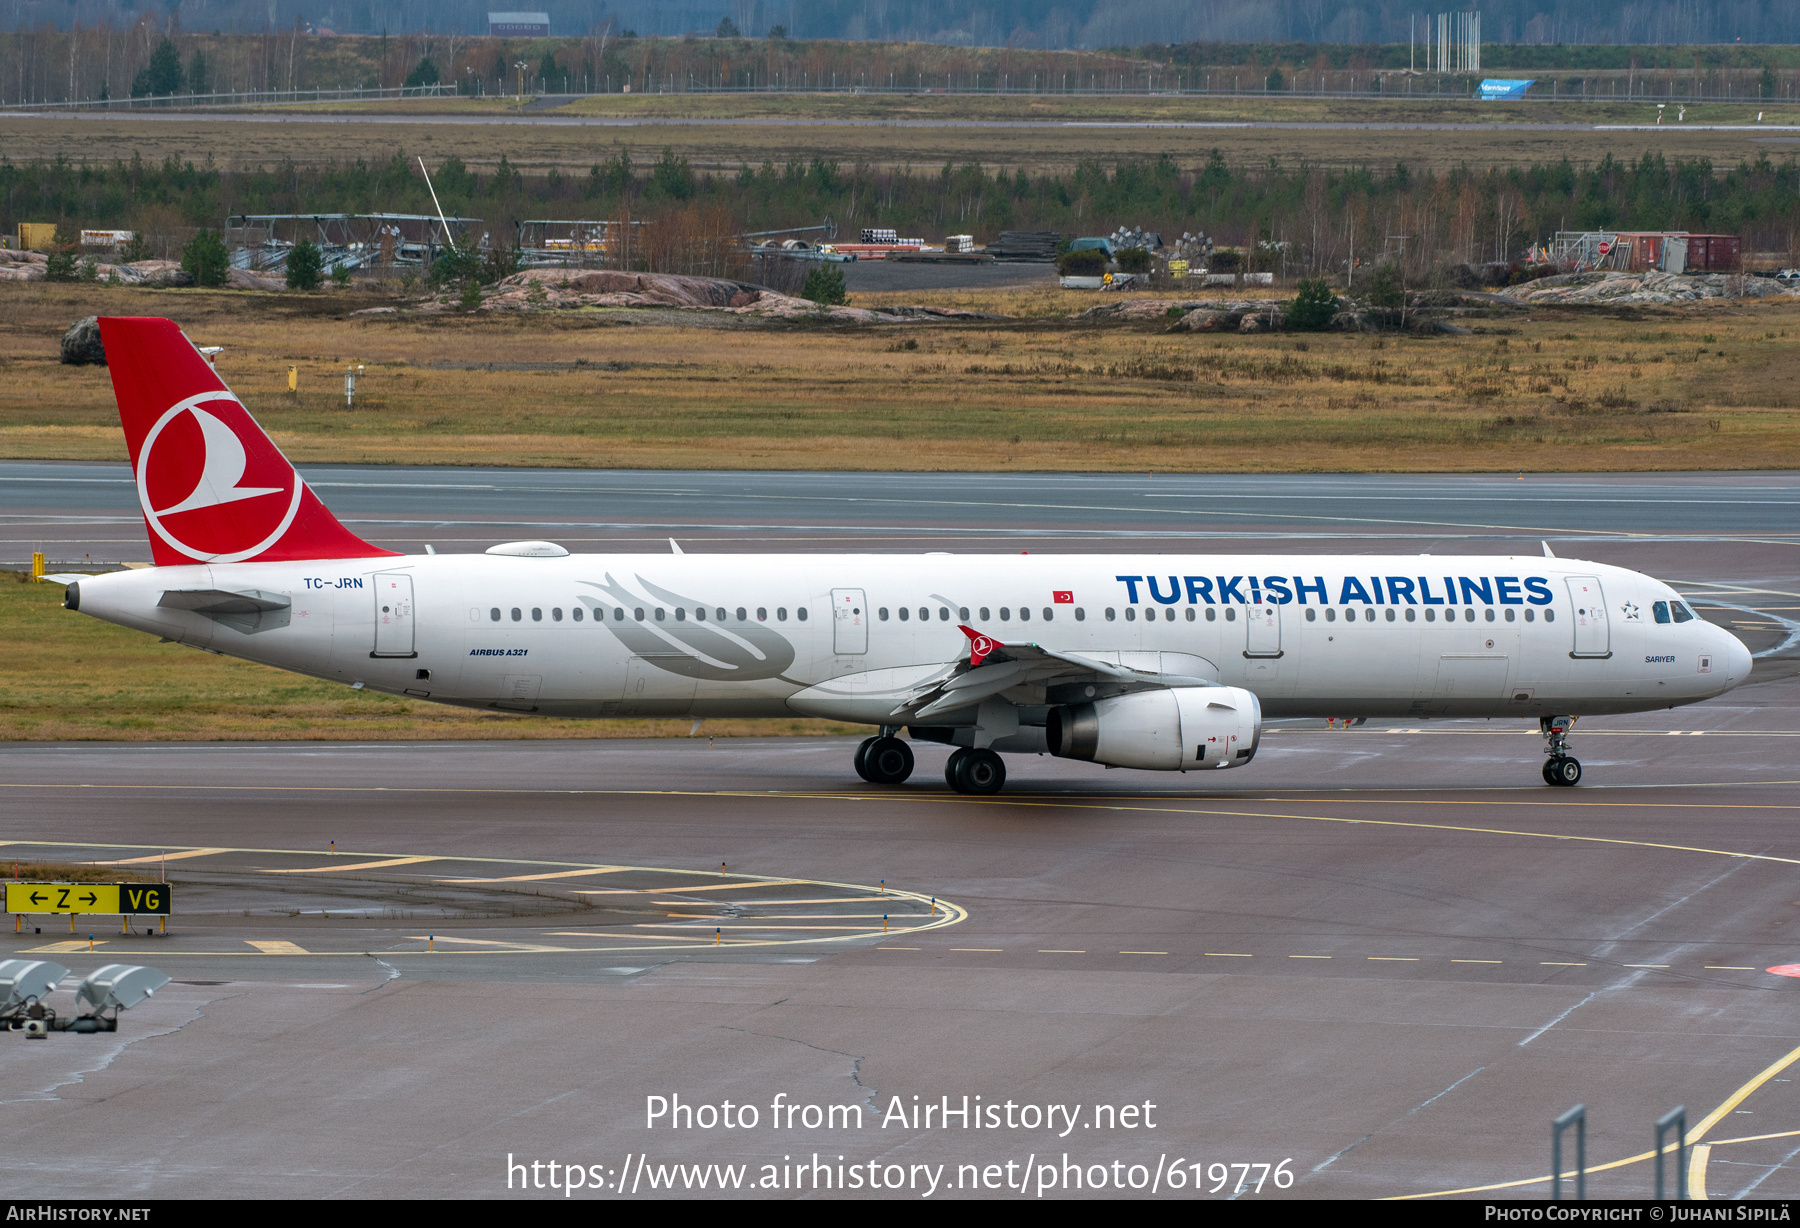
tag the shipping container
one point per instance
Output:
(37, 236)
(1713, 253)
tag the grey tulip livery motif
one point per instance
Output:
(738, 652)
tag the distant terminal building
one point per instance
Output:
(518, 25)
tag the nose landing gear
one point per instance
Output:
(884, 760)
(1561, 768)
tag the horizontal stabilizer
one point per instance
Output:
(216, 601)
(249, 612)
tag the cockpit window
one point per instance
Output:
(1681, 612)
(1660, 611)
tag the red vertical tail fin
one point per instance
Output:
(214, 487)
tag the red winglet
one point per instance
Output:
(214, 487)
(980, 646)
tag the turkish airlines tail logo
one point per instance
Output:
(214, 487)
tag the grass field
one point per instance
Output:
(1694, 388)
(728, 130)
(85, 679)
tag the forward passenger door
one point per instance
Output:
(1593, 636)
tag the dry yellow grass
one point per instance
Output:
(1679, 388)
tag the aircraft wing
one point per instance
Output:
(996, 665)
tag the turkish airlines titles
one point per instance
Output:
(1378, 590)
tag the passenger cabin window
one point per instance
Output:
(1509, 614)
(905, 613)
(1330, 615)
(537, 614)
(1110, 616)
(1490, 613)
(1130, 614)
(882, 614)
(1005, 614)
(1024, 614)
(943, 613)
(1412, 615)
(1390, 614)
(556, 614)
(1230, 615)
(680, 614)
(985, 615)
(1212, 615)
(1080, 615)
(740, 614)
(962, 614)
(1549, 616)
(1530, 616)
(576, 614)
(1312, 615)
(800, 613)
(494, 613)
(516, 614)
(780, 613)
(1678, 609)
(1190, 613)
(762, 614)
(660, 612)
(1430, 616)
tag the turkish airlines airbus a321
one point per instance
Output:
(1166, 662)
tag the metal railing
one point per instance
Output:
(1675, 1119)
(1673, 1122)
(1576, 1117)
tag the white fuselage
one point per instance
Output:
(840, 635)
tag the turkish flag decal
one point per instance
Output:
(1063, 596)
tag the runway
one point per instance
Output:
(1377, 960)
(529, 119)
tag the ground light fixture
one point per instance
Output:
(26, 983)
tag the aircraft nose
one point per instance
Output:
(1737, 659)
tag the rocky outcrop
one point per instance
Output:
(244, 279)
(81, 344)
(1243, 316)
(613, 288)
(1642, 288)
(553, 289)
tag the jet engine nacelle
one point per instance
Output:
(1175, 730)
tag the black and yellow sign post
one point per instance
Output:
(123, 899)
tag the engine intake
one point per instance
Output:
(1179, 729)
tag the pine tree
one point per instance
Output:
(206, 259)
(162, 76)
(304, 265)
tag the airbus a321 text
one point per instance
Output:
(1167, 662)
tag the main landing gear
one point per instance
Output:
(884, 760)
(1561, 768)
(975, 771)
